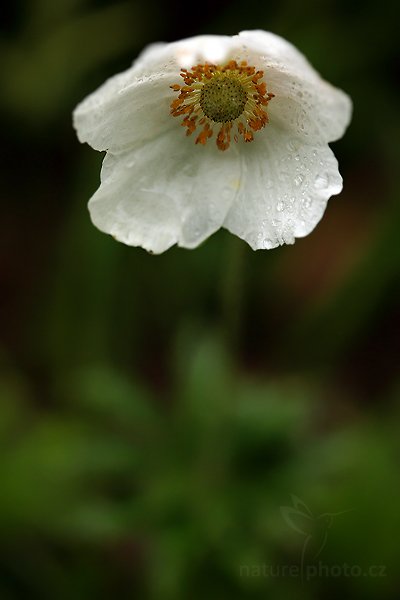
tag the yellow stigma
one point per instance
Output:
(231, 95)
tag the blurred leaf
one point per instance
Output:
(110, 394)
(43, 71)
(52, 469)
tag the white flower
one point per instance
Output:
(160, 187)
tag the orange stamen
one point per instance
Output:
(234, 76)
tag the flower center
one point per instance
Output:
(223, 98)
(233, 95)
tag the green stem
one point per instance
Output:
(232, 291)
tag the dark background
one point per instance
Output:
(157, 412)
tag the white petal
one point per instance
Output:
(316, 111)
(304, 103)
(125, 112)
(149, 54)
(132, 107)
(168, 191)
(185, 53)
(200, 49)
(277, 52)
(284, 189)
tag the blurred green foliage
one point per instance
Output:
(157, 412)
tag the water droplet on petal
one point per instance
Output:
(280, 206)
(293, 145)
(321, 181)
(299, 179)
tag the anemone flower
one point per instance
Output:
(210, 132)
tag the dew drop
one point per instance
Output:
(299, 179)
(321, 181)
(280, 206)
(293, 145)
